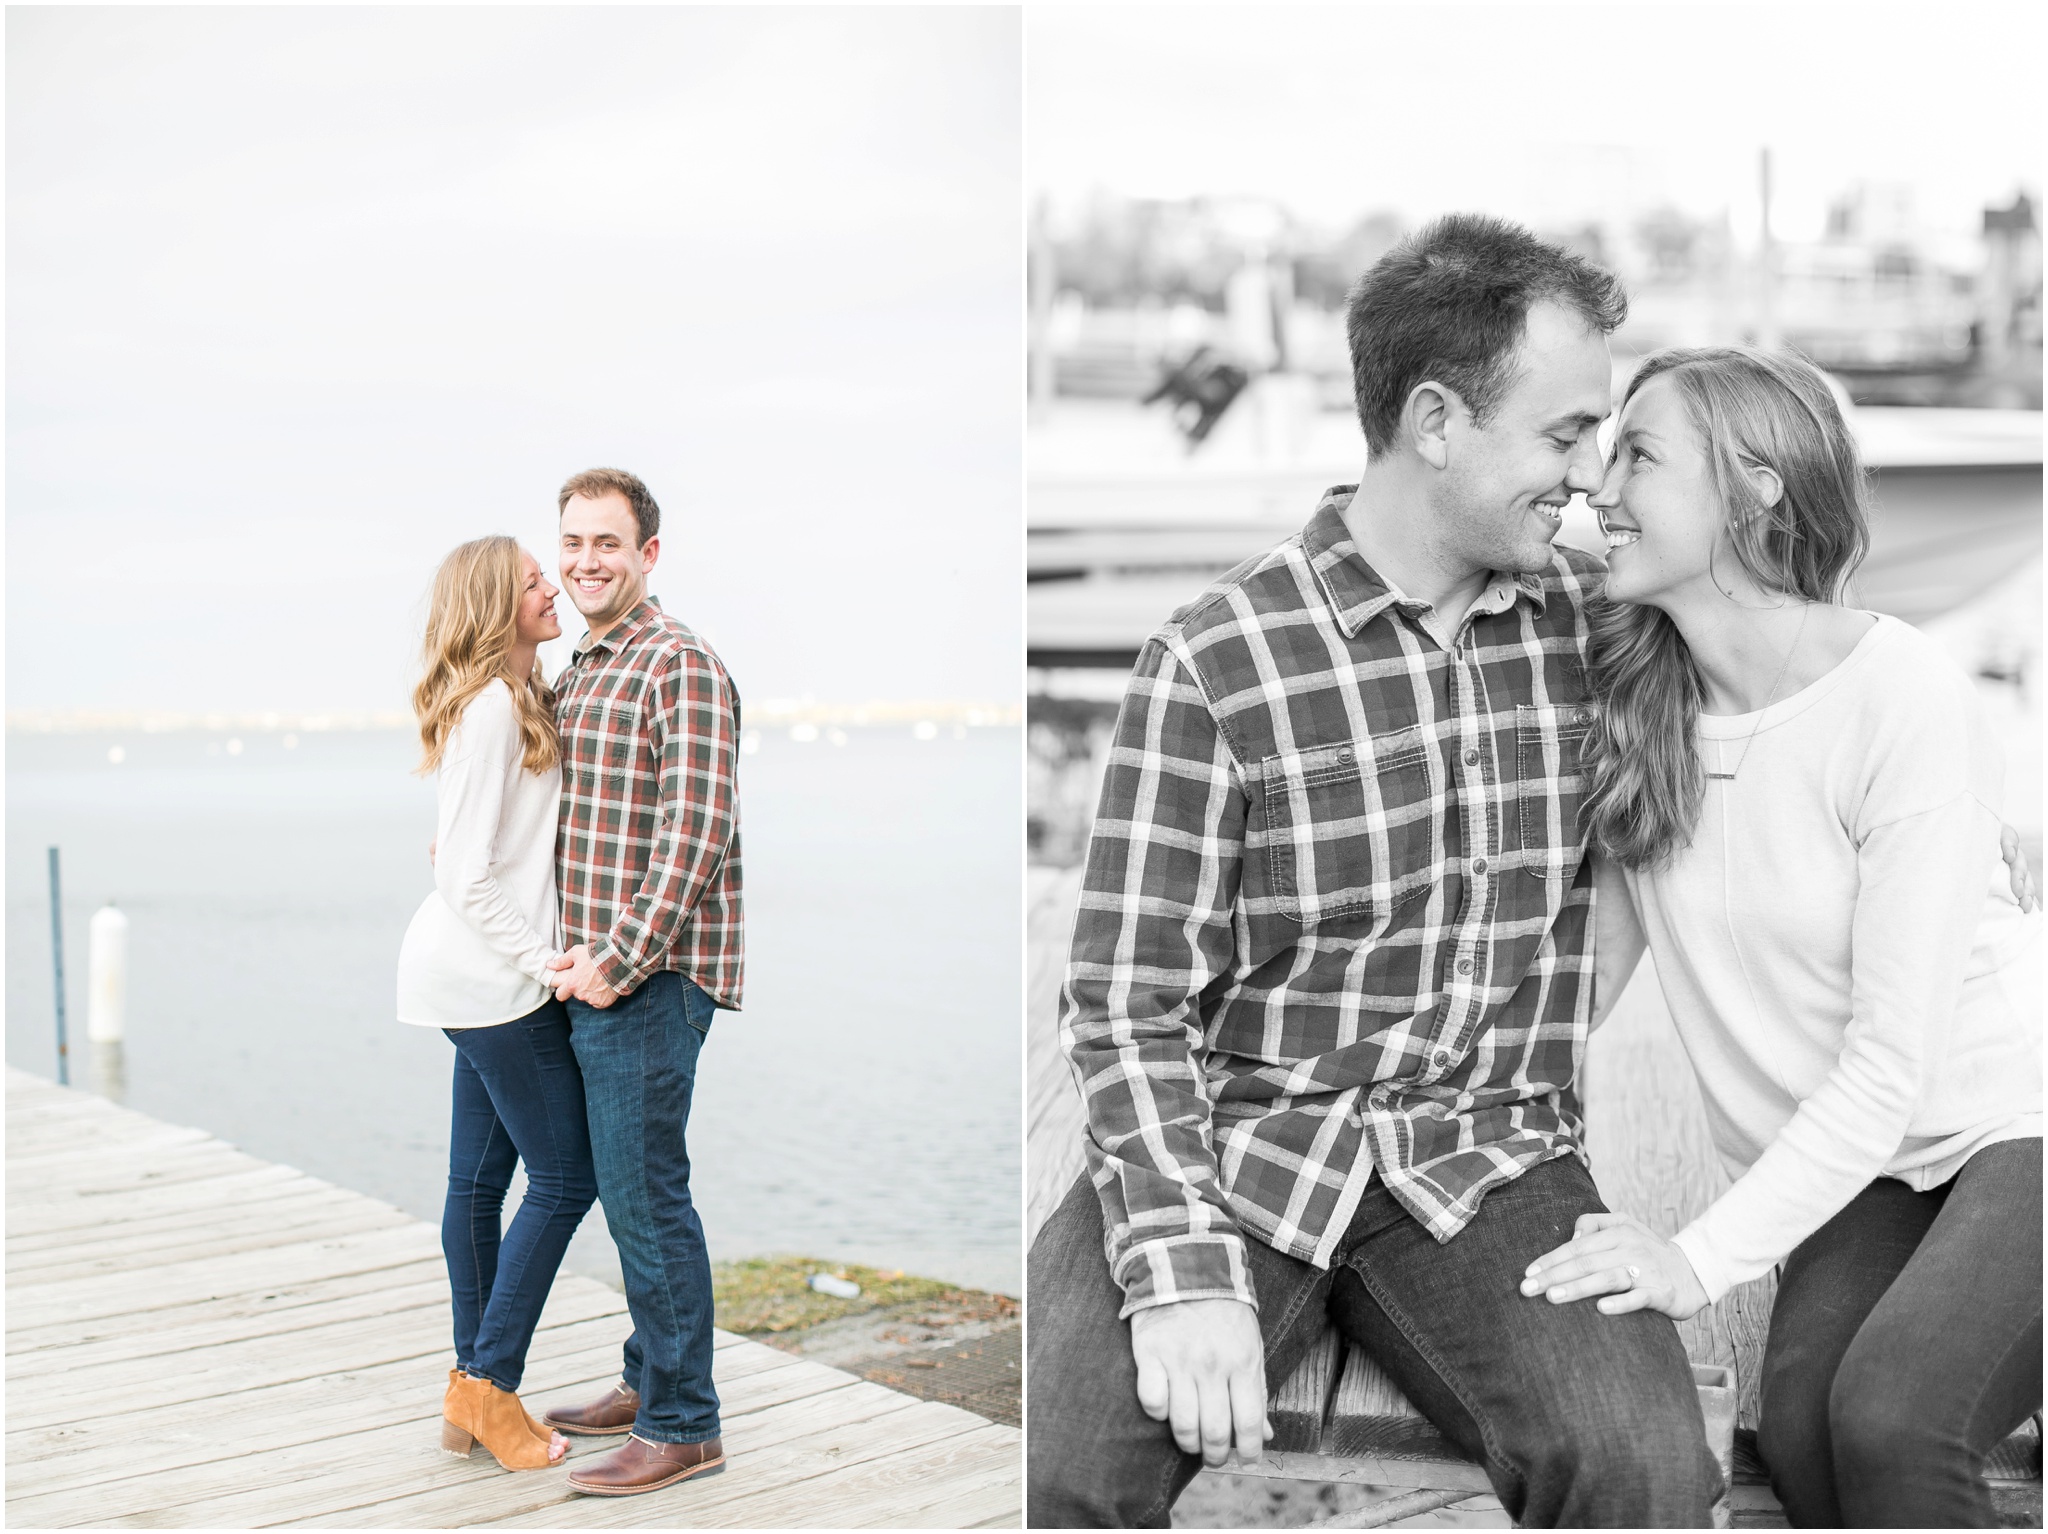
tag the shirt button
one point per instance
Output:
(1345, 755)
(1479, 865)
(1471, 758)
(1583, 716)
(1464, 966)
(1443, 1057)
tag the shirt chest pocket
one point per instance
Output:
(1551, 783)
(1349, 829)
(603, 743)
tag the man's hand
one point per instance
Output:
(576, 975)
(1202, 1368)
(1597, 1260)
(2016, 865)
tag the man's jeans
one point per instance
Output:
(1579, 1419)
(639, 1059)
(1905, 1344)
(518, 1097)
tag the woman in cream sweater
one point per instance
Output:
(475, 965)
(1795, 803)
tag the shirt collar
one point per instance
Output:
(1357, 593)
(621, 632)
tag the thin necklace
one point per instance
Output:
(1750, 739)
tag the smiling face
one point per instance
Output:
(1501, 496)
(604, 567)
(535, 622)
(1658, 503)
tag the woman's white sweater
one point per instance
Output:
(1858, 991)
(477, 950)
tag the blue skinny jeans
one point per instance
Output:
(518, 1097)
(1905, 1345)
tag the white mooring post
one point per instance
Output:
(106, 1014)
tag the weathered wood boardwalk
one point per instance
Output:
(196, 1338)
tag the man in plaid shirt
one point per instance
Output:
(648, 866)
(1331, 972)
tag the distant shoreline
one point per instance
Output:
(775, 711)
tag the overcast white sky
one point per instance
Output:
(1538, 111)
(298, 299)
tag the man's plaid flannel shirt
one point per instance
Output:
(648, 861)
(1335, 913)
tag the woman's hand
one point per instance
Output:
(1623, 1260)
(2022, 876)
(576, 975)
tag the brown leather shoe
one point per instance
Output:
(637, 1466)
(600, 1419)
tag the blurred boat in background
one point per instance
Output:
(1125, 524)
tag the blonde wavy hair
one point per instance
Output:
(1750, 408)
(471, 628)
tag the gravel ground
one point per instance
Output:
(938, 1343)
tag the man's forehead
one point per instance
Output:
(1565, 370)
(609, 513)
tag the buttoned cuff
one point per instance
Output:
(611, 968)
(1706, 1266)
(1175, 1268)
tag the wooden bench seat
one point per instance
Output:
(1338, 1417)
(1339, 1406)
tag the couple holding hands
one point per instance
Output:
(584, 927)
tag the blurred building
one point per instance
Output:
(1901, 317)
(2008, 320)
(1868, 300)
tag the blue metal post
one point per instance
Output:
(57, 962)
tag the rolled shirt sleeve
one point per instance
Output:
(1152, 931)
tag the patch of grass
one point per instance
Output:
(773, 1294)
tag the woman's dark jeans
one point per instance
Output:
(1905, 1344)
(518, 1097)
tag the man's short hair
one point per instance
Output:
(1451, 303)
(593, 484)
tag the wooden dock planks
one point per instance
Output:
(199, 1339)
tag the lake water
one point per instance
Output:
(866, 1105)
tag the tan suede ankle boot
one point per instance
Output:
(476, 1411)
(538, 1428)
